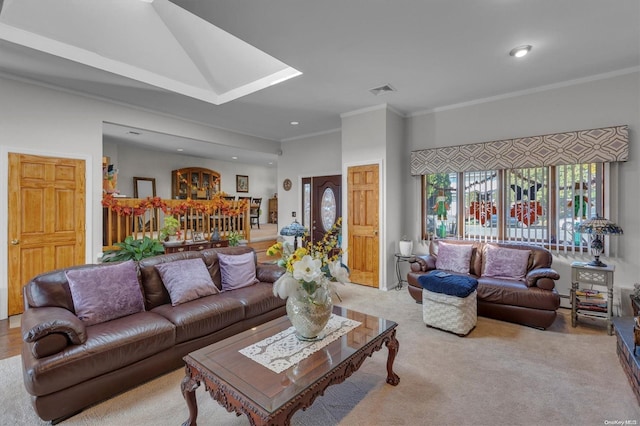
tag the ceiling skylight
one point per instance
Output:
(155, 42)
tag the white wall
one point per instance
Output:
(590, 104)
(318, 155)
(364, 141)
(44, 121)
(397, 157)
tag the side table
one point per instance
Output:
(194, 246)
(583, 273)
(399, 259)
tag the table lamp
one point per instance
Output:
(597, 227)
(294, 230)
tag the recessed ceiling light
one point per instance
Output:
(234, 158)
(520, 51)
(270, 162)
(294, 123)
(180, 149)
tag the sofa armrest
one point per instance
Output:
(542, 277)
(268, 272)
(37, 323)
(422, 263)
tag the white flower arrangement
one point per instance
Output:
(310, 271)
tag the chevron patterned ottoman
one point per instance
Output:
(449, 302)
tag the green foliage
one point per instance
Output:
(171, 227)
(234, 239)
(131, 249)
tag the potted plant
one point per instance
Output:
(131, 249)
(171, 229)
(234, 238)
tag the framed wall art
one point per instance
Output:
(242, 183)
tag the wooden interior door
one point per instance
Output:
(363, 224)
(46, 219)
(326, 204)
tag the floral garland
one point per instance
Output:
(217, 203)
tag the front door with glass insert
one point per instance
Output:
(321, 200)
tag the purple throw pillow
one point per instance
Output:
(186, 280)
(502, 262)
(454, 257)
(104, 293)
(237, 270)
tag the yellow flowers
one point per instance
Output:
(275, 250)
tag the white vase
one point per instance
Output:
(406, 247)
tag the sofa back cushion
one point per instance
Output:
(211, 260)
(237, 270)
(186, 280)
(105, 292)
(454, 257)
(155, 293)
(475, 264)
(503, 262)
(50, 289)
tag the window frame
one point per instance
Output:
(599, 185)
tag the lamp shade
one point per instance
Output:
(293, 230)
(600, 226)
(596, 227)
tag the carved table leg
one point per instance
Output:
(393, 345)
(188, 387)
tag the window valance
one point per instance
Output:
(606, 144)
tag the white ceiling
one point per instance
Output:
(436, 53)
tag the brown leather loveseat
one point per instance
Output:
(531, 300)
(69, 365)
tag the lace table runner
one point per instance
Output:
(284, 349)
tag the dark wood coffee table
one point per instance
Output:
(242, 385)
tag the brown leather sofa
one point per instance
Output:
(69, 366)
(532, 302)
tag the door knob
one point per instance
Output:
(375, 232)
(15, 242)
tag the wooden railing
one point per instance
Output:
(199, 220)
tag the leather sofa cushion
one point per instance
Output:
(51, 289)
(510, 292)
(202, 316)
(38, 323)
(49, 345)
(109, 346)
(258, 299)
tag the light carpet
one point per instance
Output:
(501, 373)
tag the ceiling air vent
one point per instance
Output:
(382, 89)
